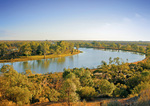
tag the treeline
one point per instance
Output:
(14, 49)
(108, 80)
(141, 47)
(117, 46)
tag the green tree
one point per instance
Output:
(26, 49)
(120, 90)
(3, 49)
(77, 46)
(51, 94)
(71, 47)
(34, 47)
(118, 45)
(87, 93)
(148, 50)
(68, 91)
(39, 50)
(141, 49)
(45, 48)
(104, 87)
(19, 95)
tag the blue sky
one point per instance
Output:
(75, 20)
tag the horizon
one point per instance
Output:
(96, 20)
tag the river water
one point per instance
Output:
(90, 58)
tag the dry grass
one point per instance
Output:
(72, 104)
(144, 98)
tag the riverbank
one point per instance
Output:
(39, 57)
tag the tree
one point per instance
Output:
(140, 87)
(18, 95)
(87, 92)
(75, 80)
(45, 48)
(120, 91)
(68, 92)
(3, 49)
(71, 47)
(118, 45)
(77, 46)
(5, 68)
(141, 49)
(86, 81)
(148, 50)
(110, 61)
(34, 47)
(51, 94)
(116, 60)
(26, 49)
(104, 87)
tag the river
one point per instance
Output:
(90, 58)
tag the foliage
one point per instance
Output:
(87, 93)
(120, 90)
(51, 94)
(117, 79)
(18, 95)
(104, 87)
(68, 91)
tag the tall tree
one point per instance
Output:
(68, 91)
(45, 48)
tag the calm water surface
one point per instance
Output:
(90, 58)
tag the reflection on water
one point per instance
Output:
(90, 58)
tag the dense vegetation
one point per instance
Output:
(113, 79)
(14, 49)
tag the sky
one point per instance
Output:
(125, 20)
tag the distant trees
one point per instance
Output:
(26, 49)
(29, 48)
(113, 80)
(117, 45)
(77, 46)
(45, 48)
(148, 50)
(71, 47)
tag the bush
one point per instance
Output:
(18, 95)
(104, 87)
(87, 92)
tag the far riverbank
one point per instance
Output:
(38, 57)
